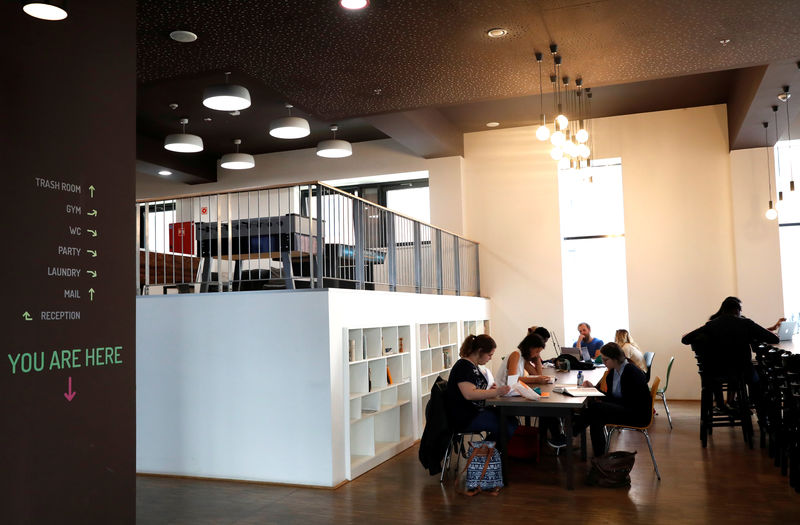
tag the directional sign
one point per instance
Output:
(92, 273)
(92, 213)
(91, 294)
(91, 191)
(93, 232)
(93, 253)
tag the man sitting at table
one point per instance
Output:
(588, 344)
(627, 400)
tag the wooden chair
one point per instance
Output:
(611, 428)
(662, 392)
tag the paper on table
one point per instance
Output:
(524, 391)
(512, 381)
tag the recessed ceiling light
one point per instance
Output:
(45, 10)
(164, 172)
(354, 4)
(207, 119)
(183, 36)
(725, 41)
(234, 113)
(492, 124)
(497, 32)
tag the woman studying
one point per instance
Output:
(524, 359)
(468, 389)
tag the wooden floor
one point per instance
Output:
(725, 483)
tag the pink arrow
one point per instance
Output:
(69, 395)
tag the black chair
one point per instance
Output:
(648, 361)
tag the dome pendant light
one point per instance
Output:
(183, 142)
(289, 127)
(226, 97)
(334, 149)
(55, 10)
(237, 161)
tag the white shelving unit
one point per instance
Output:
(476, 327)
(380, 408)
(438, 351)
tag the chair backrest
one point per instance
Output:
(648, 361)
(669, 369)
(653, 390)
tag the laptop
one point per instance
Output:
(581, 354)
(786, 330)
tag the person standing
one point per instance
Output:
(588, 342)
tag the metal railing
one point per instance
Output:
(308, 235)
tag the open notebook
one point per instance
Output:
(578, 391)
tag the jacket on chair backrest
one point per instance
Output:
(436, 436)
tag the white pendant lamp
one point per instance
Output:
(237, 161)
(542, 132)
(354, 5)
(289, 127)
(183, 142)
(226, 97)
(334, 148)
(771, 213)
(46, 10)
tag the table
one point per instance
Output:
(792, 346)
(556, 405)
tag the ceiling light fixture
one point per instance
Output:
(226, 97)
(165, 173)
(354, 5)
(776, 150)
(183, 142)
(53, 11)
(542, 132)
(184, 37)
(289, 127)
(784, 97)
(492, 124)
(497, 32)
(237, 161)
(335, 148)
(771, 212)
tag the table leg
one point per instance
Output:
(568, 432)
(502, 442)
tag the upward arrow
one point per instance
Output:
(91, 192)
(91, 294)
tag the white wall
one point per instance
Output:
(757, 243)
(678, 221)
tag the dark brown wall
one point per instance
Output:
(67, 114)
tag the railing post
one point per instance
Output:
(477, 272)
(439, 276)
(138, 247)
(147, 246)
(457, 264)
(358, 230)
(320, 240)
(391, 251)
(417, 258)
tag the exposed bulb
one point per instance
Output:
(563, 164)
(582, 136)
(542, 132)
(771, 214)
(557, 139)
(556, 153)
(584, 151)
(562, 122)
(570, 148)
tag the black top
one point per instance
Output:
(725, 343)
(461, 411)
(635, 393)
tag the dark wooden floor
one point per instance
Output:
(725, 483)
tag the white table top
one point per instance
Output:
(561, 400)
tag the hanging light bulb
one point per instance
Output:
(771, 213)
(563, 163)
(542, 132)
(289, 127)
(561, 122)
(183, 142)
(784, 97)
(226, 97)
(237, 161)
(558, 138)
(582, 136)
(334, 149)
(556, 153)
(584, 151)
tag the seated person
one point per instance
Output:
(541, 331)
(587, 341)
(468, 390)
(627, 400)
(524, 359)
(629, 347)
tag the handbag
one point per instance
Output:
(524, 443)
(483, 471)
(611, 470)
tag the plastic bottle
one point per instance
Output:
(580, 377)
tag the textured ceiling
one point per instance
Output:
(400, 55)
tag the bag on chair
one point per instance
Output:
(484, 470)
(612, 470)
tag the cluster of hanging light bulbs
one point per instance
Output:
(784, 96)
(233, 98)
(569, 139)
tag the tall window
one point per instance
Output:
(787, 161)
(593, 250)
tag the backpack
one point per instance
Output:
(611, 470)
(484, 470)
(570, 362)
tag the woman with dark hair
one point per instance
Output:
(627, 400)
(524, 359)
(468, 390)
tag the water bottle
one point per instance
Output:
(580, 377)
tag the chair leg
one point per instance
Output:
(446, 460)
(666, 407)
(609, 435)
(652, 456)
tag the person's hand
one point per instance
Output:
(493, 387)
(503, 390)
(580, 338)
(587, 383)
(782, 319)
(541, 380)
